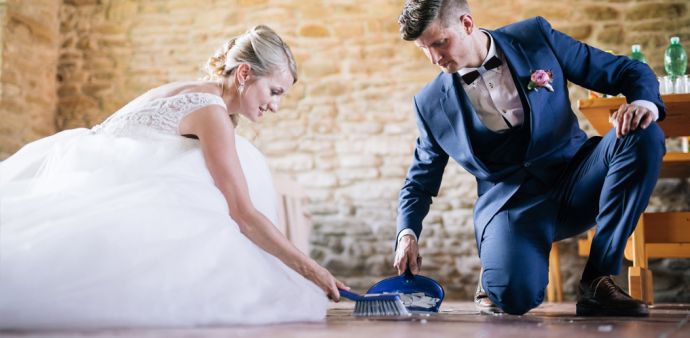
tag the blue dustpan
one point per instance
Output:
(419, 293)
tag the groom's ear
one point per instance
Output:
(467, 23)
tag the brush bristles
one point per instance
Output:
(380, 307)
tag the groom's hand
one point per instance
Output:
(629, 117)
(407, 254)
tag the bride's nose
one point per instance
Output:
(273, 106)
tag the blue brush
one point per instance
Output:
(418, 293)
(375, 304)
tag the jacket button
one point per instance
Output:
(527, 164)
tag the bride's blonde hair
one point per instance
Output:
(260, 47)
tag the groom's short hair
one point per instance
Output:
(418, 14)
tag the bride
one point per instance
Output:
(161, 215)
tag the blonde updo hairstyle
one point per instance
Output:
(260, 47)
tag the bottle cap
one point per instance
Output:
(636, 48)
(675, 40)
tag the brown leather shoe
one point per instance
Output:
(602, 297)
(482, 302)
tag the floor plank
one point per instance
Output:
(456, 319)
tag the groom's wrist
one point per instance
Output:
(649, 105)
(406, 232)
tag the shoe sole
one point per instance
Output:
(489, 311)
(585, 310)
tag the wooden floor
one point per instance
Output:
(455, 320)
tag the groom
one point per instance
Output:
(500, 108)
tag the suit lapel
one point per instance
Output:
(454, 103)
(520, 66)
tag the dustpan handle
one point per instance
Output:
(408, 273)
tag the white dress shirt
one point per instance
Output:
(494, 95)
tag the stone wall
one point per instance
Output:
(29, 43)
(3, 17)
(346, 131)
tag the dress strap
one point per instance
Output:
(213, 99)
(175, 108)
(182, 104)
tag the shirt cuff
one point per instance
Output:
(649, 105)
(407, 232)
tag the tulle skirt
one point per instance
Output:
(105, 231)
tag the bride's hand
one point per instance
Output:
(325, 280)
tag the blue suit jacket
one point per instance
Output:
(555, 135)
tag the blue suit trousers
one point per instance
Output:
(607, 183)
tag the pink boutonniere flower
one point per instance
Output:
(540, 79)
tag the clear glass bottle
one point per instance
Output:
(636, 54)
(675, 59)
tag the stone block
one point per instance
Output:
(353, 175)
(393, 172)
(119, 11)
(611, 35)
(327, 89)
(656, 10)
(382, 189)
(601, 13)
(387, 146)
(358, 161)
(317, 180)
(578, 32)
(81, 2)
(314, 31)
(326, 162)
(278, 148)
(347, 30)
(95, 89)
(319, 68)
(361, 128)
(293, 162)
(660, 25)
(458, 221)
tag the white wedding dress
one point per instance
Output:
(121, 225)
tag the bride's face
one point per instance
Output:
(263, 94)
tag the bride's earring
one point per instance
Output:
(240, 88)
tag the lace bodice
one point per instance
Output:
(142, 116)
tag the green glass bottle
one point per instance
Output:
(675, 58)
(636, 54)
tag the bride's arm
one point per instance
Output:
(217, 136)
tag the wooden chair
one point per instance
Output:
(293, 218)
(659, 234)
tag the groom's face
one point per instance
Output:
(448, 47)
